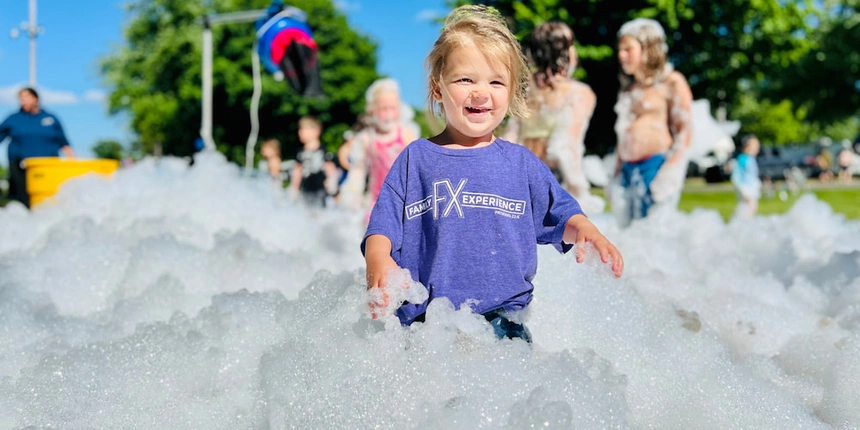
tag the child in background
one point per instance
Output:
(376, 147)
(345, 150)
(846, 160)
(561, 108)
(271, 152)
(464, 211)
(313, 165)
(654, 124)
(824, 161)
(745, 178)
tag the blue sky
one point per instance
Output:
(68, 54)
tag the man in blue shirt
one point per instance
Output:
(34, 133)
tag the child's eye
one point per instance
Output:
(498, 83)
(467, 80)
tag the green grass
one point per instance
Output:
(843, 200)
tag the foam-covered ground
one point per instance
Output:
(177, 297)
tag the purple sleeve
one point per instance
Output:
(386, 218)
(552, 206)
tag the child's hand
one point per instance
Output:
(379, 263)
(580, 230)
(377, 277)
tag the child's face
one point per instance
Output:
(753, 147)
(386, 111)
(310, 137)
(267, 151)
(474, 92)
(630, 55)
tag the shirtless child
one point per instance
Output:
(653, 127)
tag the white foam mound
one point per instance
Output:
(595, 171)
(177, 297)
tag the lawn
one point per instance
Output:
(722, 198)
(845, 201)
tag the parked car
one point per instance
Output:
(775, 161)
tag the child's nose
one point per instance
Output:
(480, 94)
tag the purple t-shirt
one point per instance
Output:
(465, 222)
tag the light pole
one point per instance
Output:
(208, 21)
(238, 17)
(32, 30)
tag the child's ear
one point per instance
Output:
(436, 92)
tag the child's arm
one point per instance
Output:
(680, 114)
(358, 152)
(377, 255)
(274, 164)
(578, 230)
(584, 101)
(737, 171)
(330, 171)
(343, 154)
(296, 178)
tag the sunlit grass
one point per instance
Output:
(843, 200)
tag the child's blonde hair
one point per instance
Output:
(274, 145)
(650, 35)
(486, 28)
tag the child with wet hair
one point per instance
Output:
(561, 108)
(314, 169)
(745, 177)
(464, 211)
(654, 110)
(847, 160)
(375, 148)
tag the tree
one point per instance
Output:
(780, 123)
(155, 77)
(714, 44)
(109, 149)
(826, 80)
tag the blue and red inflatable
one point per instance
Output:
(288, 50)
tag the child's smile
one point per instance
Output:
(477, 110)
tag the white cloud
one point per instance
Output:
(47, 96)
(429, 15)
(9, 95)
(346, 6)
(94, 95)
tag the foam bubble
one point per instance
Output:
(193, 297)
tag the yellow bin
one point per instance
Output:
(46, 174)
